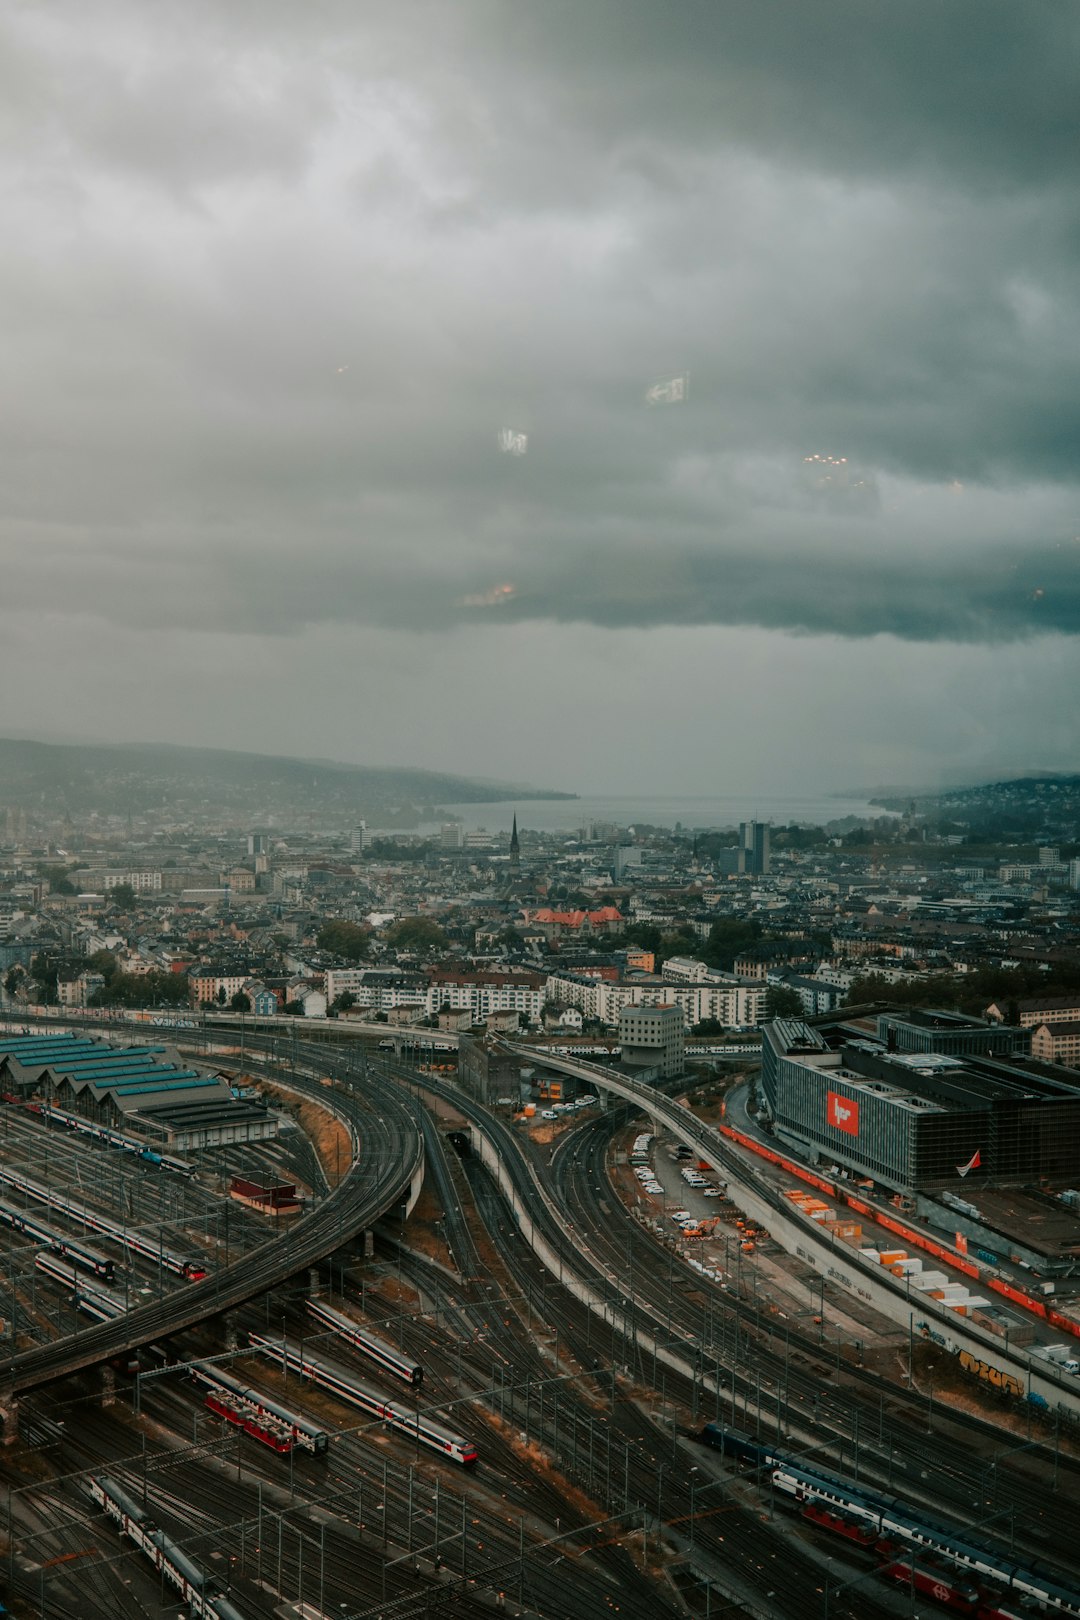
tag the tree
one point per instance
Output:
(240, 1003)
(103, 962)
(783, 1002)
(345, 939)
(222, 995)
(730, 937)
(13, 978)
(123, 896)
(708, 1026)
(295, 1009)
(142, 990)
(58, 880)
(416, 934)
(342, 1003)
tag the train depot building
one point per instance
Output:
(149, 1092)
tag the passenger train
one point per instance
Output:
(915, 1544)
(74, 1249)
(384, 1355)
(117, 1139)
(94, 1302)
(270, 1422)
(415, 1425)
(75, 1210)
(199, 1590)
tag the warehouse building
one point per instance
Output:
(919, 1120)
(144, 1091)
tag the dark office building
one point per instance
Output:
(919, 1121)
(754, 844)
(951, 1034)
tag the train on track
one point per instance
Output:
(200, 1591)
(59, 1243)
(414, 1425)
(103, 1133)
(383, 1355)
(265, 1419)
(193, 1270)
(942, 1560)
(94, 1302)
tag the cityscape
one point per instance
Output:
(655, 1195)
(540, 811)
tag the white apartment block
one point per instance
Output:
(141, 882)
(729, 1004)
(485, 995)
(376, 989)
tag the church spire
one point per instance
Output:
(515, 847)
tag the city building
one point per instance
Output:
(207, 987)
(378, 989)
(1056, 1009)
(754, 842)
(1057, 1042)
(484, 994)
(917, 1121)
(652, 1038)
(951, 1034)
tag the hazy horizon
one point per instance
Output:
(850, 791)
(590, 397)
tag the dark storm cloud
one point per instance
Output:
(276, 278)
(980, 92)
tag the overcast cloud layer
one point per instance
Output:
(275, 278)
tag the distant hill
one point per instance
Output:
(1043, 808)
(119, 779)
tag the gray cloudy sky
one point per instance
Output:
(274, 277)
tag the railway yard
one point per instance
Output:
(569, 1379)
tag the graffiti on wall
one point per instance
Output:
(992, 1375)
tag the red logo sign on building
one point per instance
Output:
(842, 1113)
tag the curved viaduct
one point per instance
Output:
(759, 1198)
(379, 1177)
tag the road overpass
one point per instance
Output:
(761, 1199)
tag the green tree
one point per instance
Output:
(103, 962)
(222, 995)
(13, 978)
(730, 937)
(123, 896)
(345, 939)
(782, 1002)
(416, 934)
(343, 1002)
(708, 1026)
(58, 880)
(240, 1003)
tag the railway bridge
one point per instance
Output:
(386, 1170)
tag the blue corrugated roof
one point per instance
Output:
(114, 1082)
(88, 1071)
(27, 1040)
(120, 1054)
(167, 1085)
(30, 1049)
